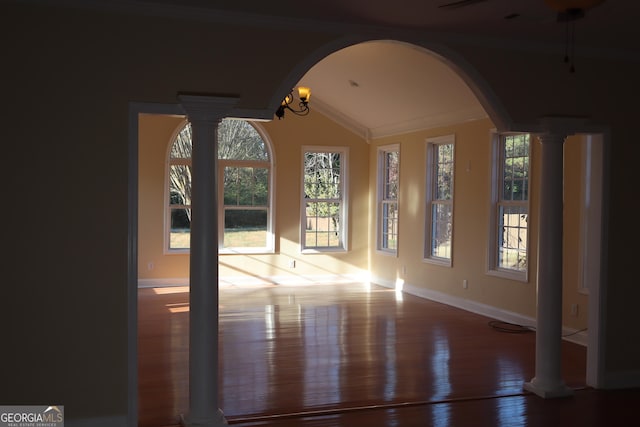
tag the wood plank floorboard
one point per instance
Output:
(329, 353)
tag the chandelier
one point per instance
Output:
(304, 93)
(569, 11)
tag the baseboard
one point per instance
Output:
(289, 280)
(575, 336)
(113, 421)
(482, 309)
(160, 283)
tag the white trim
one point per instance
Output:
(166, 217)
(590, 213)
(341, 119)
(269, 247)
(343, 199)
(381, 152)
(496, 164)
(431, 147)
(575, 336)
(161, 283)
(479, 308)
(406, 126)
(428, 122)
(112, 421)
(462, 303)
(135, 109)
(597, 301)
(239, 281)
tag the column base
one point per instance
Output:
(215, 421)
(548, 392)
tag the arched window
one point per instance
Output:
(244, 191)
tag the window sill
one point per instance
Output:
(443, 262)
(511, 275)
(309, 251)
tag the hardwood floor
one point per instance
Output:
(348, 354)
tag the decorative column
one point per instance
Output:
(548, 381)
(204, 113)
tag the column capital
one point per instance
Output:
(557, 128)
(207, 108)
(552, 138)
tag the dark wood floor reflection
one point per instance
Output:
(341, 351)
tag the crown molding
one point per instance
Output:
(417, 124)
(342, 119)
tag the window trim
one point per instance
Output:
(166, 237)
(344, 200)
(497, 163)
(270, 238)
(431, 144)
(381, 152)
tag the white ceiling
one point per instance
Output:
(379, 89)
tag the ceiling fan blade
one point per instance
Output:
(459, 3)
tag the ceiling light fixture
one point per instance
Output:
(304, 93)
(569, 11)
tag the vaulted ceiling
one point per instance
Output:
(387, 88)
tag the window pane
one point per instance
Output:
(180, 184)
(181, 148)
(512, 206)
(245, 186)
(245, 228)
(515, 167)
(261, 186)
(444, 172)
(512, 245)
(391, 175)
(238, 140)
(179, 233)
(441, 230)
(390, 226)
(322, 226)
(322, 175)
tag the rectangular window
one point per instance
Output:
(511, 205)
(439, 197)
(324, 199)
(388, 188)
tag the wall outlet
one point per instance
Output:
(465, 284)
(150, 265)
(292, 263)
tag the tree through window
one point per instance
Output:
(510, 222)
(324, 217)
(244, 166)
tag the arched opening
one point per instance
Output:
(402, 268)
